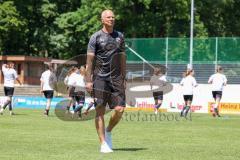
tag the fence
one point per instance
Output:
(144, 53)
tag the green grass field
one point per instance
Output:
(29, 135)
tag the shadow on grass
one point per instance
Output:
(18, 114)
(129, 149)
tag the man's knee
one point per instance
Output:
(100, 111)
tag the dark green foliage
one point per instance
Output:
(61, 29)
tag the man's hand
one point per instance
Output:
(20, 83)
(89, 87)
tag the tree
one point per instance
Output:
(12, 28)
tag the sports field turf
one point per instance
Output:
(30, 135)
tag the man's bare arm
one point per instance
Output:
(41, 87)
(18, 80)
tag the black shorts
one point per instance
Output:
(79, 97)
(188, 97)
(109, 92)
(8, 91)
(158, 95)
(217, 94)
(48, 94)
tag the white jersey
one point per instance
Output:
(188, 84)
(218, 80)
(48, 78)
(163, 78)
(77, 80)
(9, 76)
(66, 80)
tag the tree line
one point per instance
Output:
(61, 28)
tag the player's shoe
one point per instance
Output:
(156, 112)
(11, 113)
(108, 138)
(105, 148)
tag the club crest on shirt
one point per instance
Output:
(110, 45)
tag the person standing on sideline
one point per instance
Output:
(158, 79)
(79, 92)
(218, 81)
(10, 75)
(70, 89)
(48, 80)
(105, 76)
(188, 82)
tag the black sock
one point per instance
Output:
(216, 111)
(183, 111)
(47, 111)
(186, 112)
(74, 106)
(10, 106)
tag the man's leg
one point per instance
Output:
(100, 127)
(48, 104)
(155, 105)
(99, 123)
(8, 102)
(159, 103)
(216, 106)
(115, 118)
(10, 106)
(69, 105)
(183, 109)
(188, 107)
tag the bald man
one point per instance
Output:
(106, 66)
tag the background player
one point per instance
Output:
(48, 81)
(10, 75)
(188, 82)
(70, 88)
(79, 92)
(218, 81)
(158, 79)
